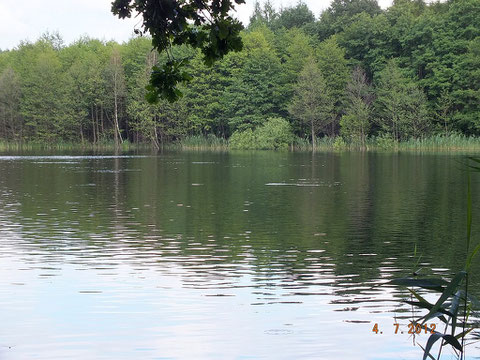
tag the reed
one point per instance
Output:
(19, 146)
(455, 304)
(435, 143)
(452, 142)
(200, 142)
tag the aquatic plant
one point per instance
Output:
(452, 142)
(456, 304)
(274, 135)
(200, 142)
(107, 145)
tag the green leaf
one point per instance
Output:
(222, 31)
(449, 291)
(428, 354)
(427, 305)
(419, 297)
(430, 284)
(186, 76)
(464, 333)
(454, 309)
(439, 314)
(433, 339)
(471, 256)
(452, 341)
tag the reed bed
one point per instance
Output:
(199, 142)
(20, 146)
(451, 143)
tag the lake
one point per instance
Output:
(254, 255)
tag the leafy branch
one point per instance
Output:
(201, 24)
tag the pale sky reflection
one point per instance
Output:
(147, 310)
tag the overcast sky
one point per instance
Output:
(28, 19)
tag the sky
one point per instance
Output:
(28, 19)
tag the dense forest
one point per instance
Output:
(410, 71)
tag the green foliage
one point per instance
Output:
(294, 48)
(275, 134)
(244, 140)
(341, 13)
(353, 125)
(163, 77)
(200, 142)
(254, 91)
(312, 103)
(297, 48)
(295, 16)
(356, 122)
(366, 41)
(144, 115)
(205, 98)
(421, 70)
(334, 68)
(46, 109)
(339, 143)
(385, 142)
(266, 16)
(439, 142)
(302, 144)
(10, 93)
(400, 104)
(287, 18)
(203, 25)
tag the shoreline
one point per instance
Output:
(453, 143)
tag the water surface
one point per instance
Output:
(257, 255)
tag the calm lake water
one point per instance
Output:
(256, 255)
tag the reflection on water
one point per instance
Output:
(218, 256)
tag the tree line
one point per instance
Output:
(409, 71)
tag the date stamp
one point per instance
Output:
(412, 329)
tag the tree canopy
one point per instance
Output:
(409, 71)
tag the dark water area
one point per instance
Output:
(256, 255)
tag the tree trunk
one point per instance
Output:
(101, 121)
(93, 127)
(4, 123)
(313, 136)
(116, 95)
(445, 122)
(3, 118)
(363, 138)
(96, 123)
(115, 119)
(155, 139)
(13, 128)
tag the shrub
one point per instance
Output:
(385, 142)
(339, 143)
(243, 140)
(275, 134)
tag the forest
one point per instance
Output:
(354, 73)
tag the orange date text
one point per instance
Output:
(412, 329)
